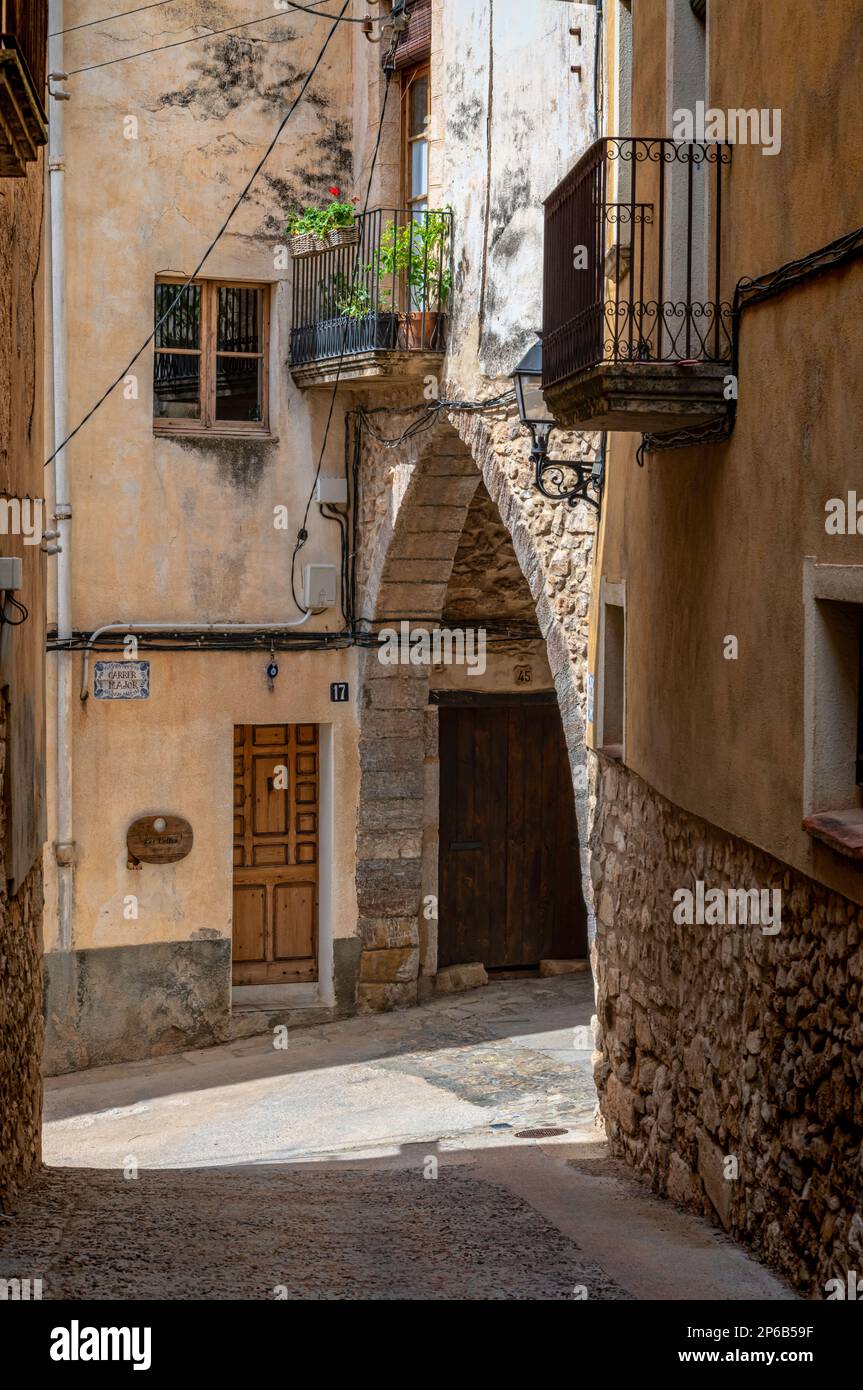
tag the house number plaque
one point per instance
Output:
(158, 839)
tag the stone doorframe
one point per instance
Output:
(406, 574)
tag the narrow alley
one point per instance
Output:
(387, 1154)
(431, 674)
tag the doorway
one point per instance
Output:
(276, 854)
(509, 868)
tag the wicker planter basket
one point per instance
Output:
(305, 244)
(302, 245)
(344, 236)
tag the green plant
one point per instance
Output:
(417, 251)
(339, 215)
(352, 301)
(310, 220)
(319, 221)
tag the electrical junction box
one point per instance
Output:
(332, 490)
(11, 572)
(320, 586)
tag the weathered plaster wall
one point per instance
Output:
(174, 753)
(185, 527)
(514, 118)
(21, 691)
(181, 529)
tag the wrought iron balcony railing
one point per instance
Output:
(23, 61)
(384, 291)
(633, 248)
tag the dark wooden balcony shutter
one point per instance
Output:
(414, 46)
(26, 21)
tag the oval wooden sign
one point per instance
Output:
(159, 839)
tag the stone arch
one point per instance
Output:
(413, 529)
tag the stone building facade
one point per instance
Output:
(147, 958)
(725, 631)
(22, 713)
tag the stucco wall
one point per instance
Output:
(697, 534)
(182, 529)
(514, 118)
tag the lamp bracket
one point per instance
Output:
(550, 475)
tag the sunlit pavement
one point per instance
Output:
(377, 1157)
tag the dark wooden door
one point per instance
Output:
(509, 872)
(275, 853)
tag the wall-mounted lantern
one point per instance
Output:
(533, 412)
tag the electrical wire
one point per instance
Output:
(214, 33)
(261, 162)
(19, 608)
(105, 19)
(428, 416)
(749, 291)
(498, 632)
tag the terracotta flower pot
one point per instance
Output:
(424, 330)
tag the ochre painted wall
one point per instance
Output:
(711, 541)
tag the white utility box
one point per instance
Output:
(320, 589)
(332, 490)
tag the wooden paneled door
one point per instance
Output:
(509, 872)
(275, 930)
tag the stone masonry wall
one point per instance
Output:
(20, 1019)
(721, 1040)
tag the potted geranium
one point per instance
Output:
(307, 231)
(341, 220)
(315, 229)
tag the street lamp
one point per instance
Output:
(535, 415)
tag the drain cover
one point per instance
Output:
(538, 1133)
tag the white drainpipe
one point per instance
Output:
(64, 848)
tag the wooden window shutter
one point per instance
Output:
(414, 46)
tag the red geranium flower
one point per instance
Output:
(335, 191)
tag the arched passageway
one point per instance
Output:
(471, 831)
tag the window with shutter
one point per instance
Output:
(414, 46)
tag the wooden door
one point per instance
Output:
(509, 873)
(275, 928)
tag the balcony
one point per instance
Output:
(635, 333)
(23, 46)
(371, 311)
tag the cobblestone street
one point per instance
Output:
(376, 1157)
